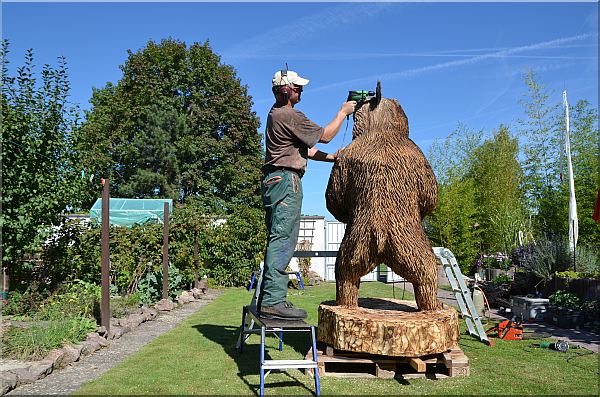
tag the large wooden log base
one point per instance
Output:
(338, 364)
(388, 327)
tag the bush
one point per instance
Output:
(121, 306)
(546, 257)
(24, 303)
(587, 262)
(75, 299)
(150, 287)
(33, 343)
(229, 252)
(565, 299)
(501, 279)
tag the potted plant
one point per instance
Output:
(565, 309)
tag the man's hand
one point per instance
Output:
(348, 107)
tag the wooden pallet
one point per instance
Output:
(343, 364)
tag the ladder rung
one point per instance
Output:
(279, 364)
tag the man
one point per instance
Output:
(290, 138)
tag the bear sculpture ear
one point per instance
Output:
(373, 103)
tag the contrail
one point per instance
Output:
(452, 64)
(302, 28)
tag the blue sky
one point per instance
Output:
(446, 63)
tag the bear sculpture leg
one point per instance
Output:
(421, 272)
(351, 264)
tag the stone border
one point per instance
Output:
(14, 373)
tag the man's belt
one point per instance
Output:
(270, 168)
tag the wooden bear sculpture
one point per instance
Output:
(381, 186)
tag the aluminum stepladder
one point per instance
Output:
(278, 328)
(462, 294)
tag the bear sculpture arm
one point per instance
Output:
(428, 196)
(337, 195)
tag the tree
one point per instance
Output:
(41, 175)
(498, 176)
(177, 125)
(542, 153)
(585, 154)
(453, 224)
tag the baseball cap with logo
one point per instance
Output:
(286, 77)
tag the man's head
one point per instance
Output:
(287, 87)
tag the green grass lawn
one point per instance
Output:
(199, 357)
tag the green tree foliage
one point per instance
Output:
(585, 157)
(230, 249)
(546, 178)
(41, 175)
(497, 176)
(177, 125)
(541, 155)
(454, 223)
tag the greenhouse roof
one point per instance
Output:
(130, 212)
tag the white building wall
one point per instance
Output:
(327, 236)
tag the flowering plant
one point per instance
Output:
(498, 260)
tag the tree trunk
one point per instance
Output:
(388, 327)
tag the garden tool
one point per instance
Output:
(559, 345)
(508, 330)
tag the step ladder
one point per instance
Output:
(462, 293)
(253, 324)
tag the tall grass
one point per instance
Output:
(35, 341)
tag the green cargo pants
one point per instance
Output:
(282, 199)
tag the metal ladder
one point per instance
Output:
(462, 293)
(250, 318)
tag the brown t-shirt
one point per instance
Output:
(288, 136)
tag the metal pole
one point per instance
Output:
(105, 261)
(195, 262)
(165, 291)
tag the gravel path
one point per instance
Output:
(67, 380)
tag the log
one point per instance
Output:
(389, 327)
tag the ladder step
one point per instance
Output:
(281, 364)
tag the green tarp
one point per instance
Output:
(129, 212)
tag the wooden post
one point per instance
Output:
(105, 259)
(165, 291)
(195, 262)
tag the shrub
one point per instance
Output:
(121, 306)
(501, 279)
(24, 303)
(150, 286)
(546, 257)
(587, 262)
(74, 299)
(565, 299)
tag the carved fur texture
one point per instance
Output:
(382, 186)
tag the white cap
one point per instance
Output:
(286, 77)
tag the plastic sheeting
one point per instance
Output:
(130, 212)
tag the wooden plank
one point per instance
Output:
(417, 364)
(375, 366)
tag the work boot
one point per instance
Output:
(282, 311)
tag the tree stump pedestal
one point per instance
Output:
(389, 338)
(388, 327)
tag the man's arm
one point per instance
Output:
(334, 125)
(316, 154)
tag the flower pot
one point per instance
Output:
(566, 318)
